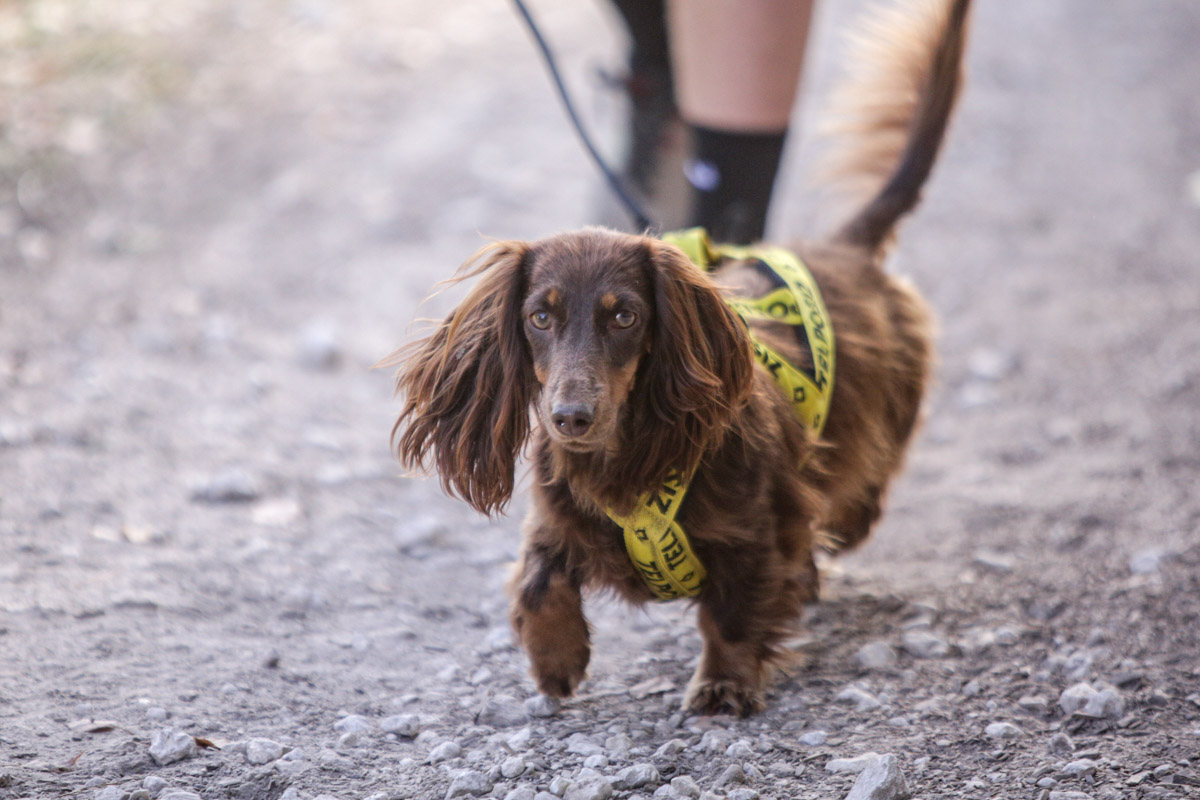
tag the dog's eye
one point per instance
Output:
(540, 320)
(625, 319)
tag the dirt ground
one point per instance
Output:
(216, 216)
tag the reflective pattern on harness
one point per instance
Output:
(657, 545)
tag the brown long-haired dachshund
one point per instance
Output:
(636, 369)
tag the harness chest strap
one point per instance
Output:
(656, 544)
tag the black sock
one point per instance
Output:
(733, 174)
(646, 21)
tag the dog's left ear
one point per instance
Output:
(698, 371)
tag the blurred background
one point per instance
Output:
(216, 216)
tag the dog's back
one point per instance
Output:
(888, 121)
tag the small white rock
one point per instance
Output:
(355, 723)
(1107, 703)
(861, 700)
(636, 776)
(741, 750)
(406, 725)
(732, 774)
(684, 786)
(920, 643)
(591, 789)
(503, 711)
(1073, 698)
(813, 738)
(740, 793)
(542, 706)
(583, 745)
(170, 745)
(262, 751)
(715, 741)
(880, 780)
(875, 655)
(670, 749)
(1003, 730)
(853, 765)
(1147, 561)
(520, 740)
(468, 782)
(1081, 768)
(513, 767)
(444, 752)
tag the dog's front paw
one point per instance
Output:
(709, 696)
(558, 650)
(560, 669)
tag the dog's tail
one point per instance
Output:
(892, 111)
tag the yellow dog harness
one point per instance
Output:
(656, 544)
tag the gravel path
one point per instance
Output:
(214, 582)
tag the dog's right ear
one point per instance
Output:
(467, 387)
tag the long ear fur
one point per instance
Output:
(467, 387)
(695, 377)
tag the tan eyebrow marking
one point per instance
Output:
(609, 301)
(553, 298)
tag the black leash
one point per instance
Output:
(614, 182)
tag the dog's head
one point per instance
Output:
(623, 348)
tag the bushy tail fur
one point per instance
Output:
(888, 118)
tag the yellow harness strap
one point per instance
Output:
(656, 544)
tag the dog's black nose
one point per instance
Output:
(573, 419)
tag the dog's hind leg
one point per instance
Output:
(731, 674)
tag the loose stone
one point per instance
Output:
(670, 748)
(880, 780)
(583, 745)
(714, 741)
(875, 655)
(813, 738)
(852, 765)
(742, 793)
(732, 774)
(1060, 745)
(513, 767)
(355, 723)
(406, 725)
(1003, 730)
(469, 782)
(1082, 768)
(921, 643)
(262, 751)
(740, 750)
(592, 789)
(503, 711)
(444, 752)
(542, 706)
(684, 786)
(170, 745)
(636, 776)
(861, 700)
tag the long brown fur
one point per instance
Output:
(633, 366)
